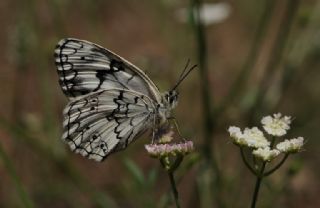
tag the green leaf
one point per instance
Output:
(152, 177)
(135, 171)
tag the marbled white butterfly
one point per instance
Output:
(111, 101)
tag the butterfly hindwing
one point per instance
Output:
(85, 67)
(106, 121)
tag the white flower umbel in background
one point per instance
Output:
(210, 13)
(265, 147)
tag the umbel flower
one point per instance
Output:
(265, 147)
(163, 150)
(169, 152)
(253, 138)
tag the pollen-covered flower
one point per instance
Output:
(291, 146)
(250, 137)
(276, 125)
(266, 154)
(166, 137)
(161, 150)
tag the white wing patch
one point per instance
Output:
(106, 121)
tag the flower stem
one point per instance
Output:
(259, 179)
(257, 186)
(246, 162)
(277, 166)
(174, 188)
(210, 160)
(202, 56)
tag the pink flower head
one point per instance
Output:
(160, 150)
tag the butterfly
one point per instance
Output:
(111, 101)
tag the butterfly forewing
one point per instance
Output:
(85, 67)
(106, 121)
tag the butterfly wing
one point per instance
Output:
(85, 67)
(106, 121)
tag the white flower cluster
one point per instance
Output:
(291, 146)
(265, 153)
(276, 125)
(249, 137)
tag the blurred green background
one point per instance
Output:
(255, 58)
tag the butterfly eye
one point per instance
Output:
(173, 98)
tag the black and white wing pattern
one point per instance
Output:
(106, 121)
(85, 67)
(111, 101)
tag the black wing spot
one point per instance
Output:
(109, 117)
(101, 75)
(104, 147)
(136, 99)
(116, 66)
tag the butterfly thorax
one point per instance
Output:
(169, 101)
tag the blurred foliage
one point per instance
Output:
(262, 59)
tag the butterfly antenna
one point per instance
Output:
(184, 74)
(185, 68)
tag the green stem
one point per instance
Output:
(276, 167)
(176, 163)
(257, 186)
(174, 189)
(204, 76)
(207, 109)
(301, 49)
(276, 54)
(247, 67)
(246, 162)
(259, 179)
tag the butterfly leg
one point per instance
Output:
(153, 130)
(173, 119)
